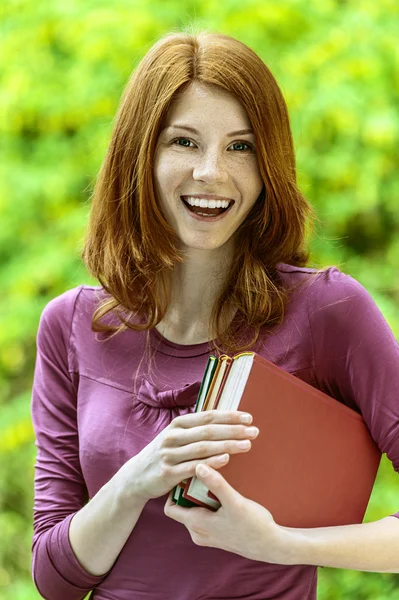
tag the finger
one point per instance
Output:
(181, 437)
(183, 515)
(174, 511)
(207, 449)
(212, 416)
(215, 462)
(185, 470)
(217, 484)
(169, 500)
(171, 509)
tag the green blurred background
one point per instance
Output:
(64, 66)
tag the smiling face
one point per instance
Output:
(206, 156)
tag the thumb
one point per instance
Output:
(216, 483)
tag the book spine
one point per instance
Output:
(225, 376)
(229, 361)
(211, 366)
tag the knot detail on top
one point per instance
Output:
(182, 397)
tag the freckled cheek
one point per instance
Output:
(250, 180)
(170, 173)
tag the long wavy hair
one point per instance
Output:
(132, 250)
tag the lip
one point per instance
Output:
(207, 219)
(207, 197)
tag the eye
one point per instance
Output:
(242, 147)
(182, 141)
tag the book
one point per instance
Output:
(314, 461)
(208, 381)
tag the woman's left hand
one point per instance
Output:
(240, 525)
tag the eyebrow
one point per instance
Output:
(193, 130)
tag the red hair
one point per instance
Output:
(131, 249)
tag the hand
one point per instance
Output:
(239, 525)
(204, 437)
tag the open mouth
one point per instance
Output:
(212, 208)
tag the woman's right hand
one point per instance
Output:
(207, 437)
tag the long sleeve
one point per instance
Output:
(60, 490)
(356, 356)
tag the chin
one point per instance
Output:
(206, 245)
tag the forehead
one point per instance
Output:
(207, 104)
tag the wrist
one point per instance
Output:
(127, 488)
(282, 546)
(295, 546)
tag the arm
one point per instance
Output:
(358, 358)
(365, 547)
(248, 529)
(357, 361)
(75, 543)
(64, 566)
(104, 524)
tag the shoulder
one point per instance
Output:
(334, 303)
(341, 311)
(58, 315)
(337, 296)
(63, 305)
(325, 287)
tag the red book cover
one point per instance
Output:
(314, 461)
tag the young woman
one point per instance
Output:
(197, 236)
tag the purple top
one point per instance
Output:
(89, 421)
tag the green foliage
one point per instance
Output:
(64, 66)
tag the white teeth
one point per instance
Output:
(192, 201)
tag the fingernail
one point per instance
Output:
(247, 419)
(251, 432)
(222, 459)
(243, 444)
(202, 470)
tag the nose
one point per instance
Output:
(210, 168)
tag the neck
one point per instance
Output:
(196, 285)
